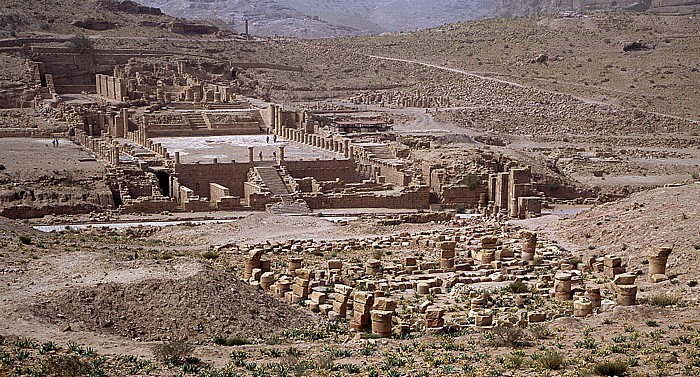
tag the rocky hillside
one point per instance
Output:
(317, 18)
(524, 7)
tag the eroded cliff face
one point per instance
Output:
(36, 199)
(511, 8)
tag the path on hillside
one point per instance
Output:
(518, 85)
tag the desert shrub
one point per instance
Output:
(210, 255)
(610, 368)
(540, 331)
(2, 167)
(175, 352)
(550, 359)
(80, 43)
(693, 283)
(518, 287)
(26, 240)
(507, 336)
(67, 365)
(663, 300)
(229, 342)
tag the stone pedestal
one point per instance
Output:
(381, 322)
(627, 295)
(583, 307)
(658, 259)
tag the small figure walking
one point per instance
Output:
(54, 142)
(267, 139)
(260, 155)
(274, 155)
(274, 138)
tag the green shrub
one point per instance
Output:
(611, 368)
(518, 287)
(551, 360)
(471, 180)
(26, 240)
(80, 43)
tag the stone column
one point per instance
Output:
(266, 280)
(177, 158)
(346, 148)
(657, 261)
(528, 241)
(300, 288)
(250, 155)
(487, 254)
(362, 305)
(627, 295)
(381, 322)
(434, 320)
(447, 254)
(562, 287)
(281, 153)
(252, 262)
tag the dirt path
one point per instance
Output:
(515, 84)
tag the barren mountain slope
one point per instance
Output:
(316, 18)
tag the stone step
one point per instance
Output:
(272, 180)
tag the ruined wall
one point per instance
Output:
(413, 199)
(323, 170)
(198, 177)
(394, 175)
(461, 194)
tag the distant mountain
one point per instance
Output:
(325, 18)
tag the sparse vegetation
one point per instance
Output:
(663, 300)
(175, 352)
(611, 368)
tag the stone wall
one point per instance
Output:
(417, 198)
(462, 195)
(198, 177)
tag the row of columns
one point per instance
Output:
(338, 146)
(251, 154)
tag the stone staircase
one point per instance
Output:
(270, 176)
(196, 120)
(381, 152)
(272, 180)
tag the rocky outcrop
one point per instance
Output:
(182, 27)
(93, 24)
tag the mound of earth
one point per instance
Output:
(208, 304)
(632, 227)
